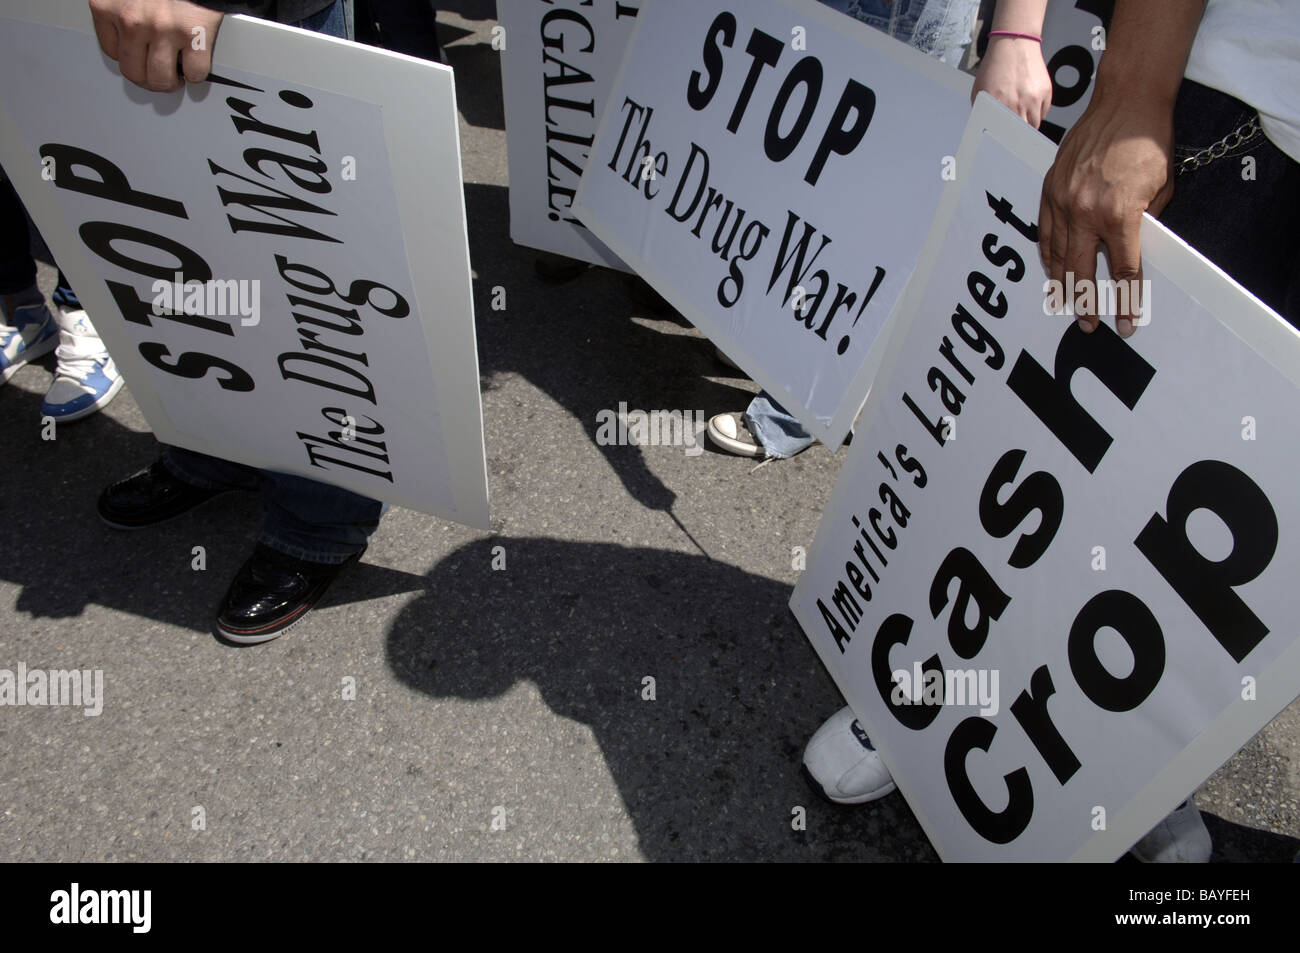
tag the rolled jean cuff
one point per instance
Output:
(327, 557)
(316, 521)
(305, 518)
(780, 434)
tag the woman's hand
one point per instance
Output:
(1013, 72)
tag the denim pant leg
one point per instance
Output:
(210, 473)
(334, 20)
(780, 433)
(305, 518)
(938, 28)
(314, 521)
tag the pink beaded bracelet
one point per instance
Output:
(1024, 36)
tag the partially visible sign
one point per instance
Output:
(771, 168)
(1074, 37)
(1056, 577)
(558, 62)
(239, 246)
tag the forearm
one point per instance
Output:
(1020, 16)
(1012, 69)
(1146, 51)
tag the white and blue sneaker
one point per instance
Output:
(28, 331)
(843, 765)
(86, 378)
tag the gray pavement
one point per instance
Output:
(480, 694)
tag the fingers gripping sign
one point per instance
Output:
(1116, 162)
(1104, 178)
(158, 44)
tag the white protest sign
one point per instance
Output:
(1073, 40)
(240, 247)
(771, 168)
(558, 62)
(1056, 577)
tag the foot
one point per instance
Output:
(841, 763)
(1181, 838)
(271, 593)
(730, 432)
(28, 331)
(86, 378)
(149, 497)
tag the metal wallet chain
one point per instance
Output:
(1239, 136)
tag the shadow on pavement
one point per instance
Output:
(53, 544)
(708, 770)
(584, 343)
(1237, 843)
(478, 80)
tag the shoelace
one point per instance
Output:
(78, 357)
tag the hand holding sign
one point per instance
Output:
(1117, 160)
(1115, 164)
(147, 36)
(1012, 69)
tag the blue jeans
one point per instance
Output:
(334, 20)
(938, 28)
(305, 518)
(779, 431)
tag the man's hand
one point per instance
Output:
(1117, 160)
(1013, 72)
(1114, 164)
(147, 36)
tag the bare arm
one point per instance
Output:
(1117, 160)
(1012, 70)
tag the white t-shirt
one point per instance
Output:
(1250, 49)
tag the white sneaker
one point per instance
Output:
(27, 331)
(842, 764)
(86, 378)
(1181, 838)
(731, 433)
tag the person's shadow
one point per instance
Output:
(706, 755)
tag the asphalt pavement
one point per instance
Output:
(435, 707)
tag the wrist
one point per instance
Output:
(1011, 37)
(1135, 87)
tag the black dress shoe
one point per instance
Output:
(148, 497)
(272, 592)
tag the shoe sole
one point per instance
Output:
(36, 352)
(265, 634)
(94, 408)
(736, 447)
(841, 802)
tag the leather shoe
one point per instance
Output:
(149, 497)
(271, 593)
